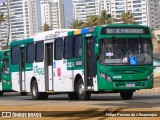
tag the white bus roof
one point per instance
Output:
(51, 34)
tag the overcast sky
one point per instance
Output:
(67, 11)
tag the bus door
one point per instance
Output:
(90, 62)
(22, 69)
(49, 66)
(6, 80)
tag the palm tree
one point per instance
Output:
(45, 27)
(127, 18)
(91, 21)
(2, 18)
(105, 18)
(75, 24)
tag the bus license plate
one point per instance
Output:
(130, 85)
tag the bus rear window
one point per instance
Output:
(14, 55)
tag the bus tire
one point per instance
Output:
(23, 93)
(82, 94)
(34, 91)
(73, 95)
(126, 95)
(1, 93)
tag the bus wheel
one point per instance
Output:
(23, 93)
(1, 93)
(73, 96)
(82, 94)
(34, 91)
(126, 95)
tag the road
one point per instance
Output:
(141, 101)
(98, 105)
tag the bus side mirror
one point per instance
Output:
(97, 49)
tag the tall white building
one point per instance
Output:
(139, 8)
(154, 13)
(83, 8)
(3, 25)
(146, 12)
(23, 19)
(52, 13)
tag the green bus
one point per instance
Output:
(5, 77)
(115, 58)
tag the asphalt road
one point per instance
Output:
(139, 100)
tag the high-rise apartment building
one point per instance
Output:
(139, 8)
(154, 13)
(52, 13)
(83, 8)
(145, 12)
(3, 25)
(23, 19)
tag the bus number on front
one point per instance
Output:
(117, 77)
(88, 35)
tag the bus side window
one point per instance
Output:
(68, 48)
(78, 46)
(39, 51)
(14, 55)
(58, 49)
(30, 53)
(5, 66)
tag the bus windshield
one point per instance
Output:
(123, 51)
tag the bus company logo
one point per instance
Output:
(131, 77)
(38, 70)
(6, 114)
(70, 64)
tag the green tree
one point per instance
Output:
(127, 18)
(75, 24)
(45, 27)
(91, 21)
(105, 18)
(2, 18)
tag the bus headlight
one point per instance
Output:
(105, 77)
(150, 76)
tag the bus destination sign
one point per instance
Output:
(139, 31)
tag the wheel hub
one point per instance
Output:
(81, 89)
(34, 90)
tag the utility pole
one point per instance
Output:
(8, 35)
